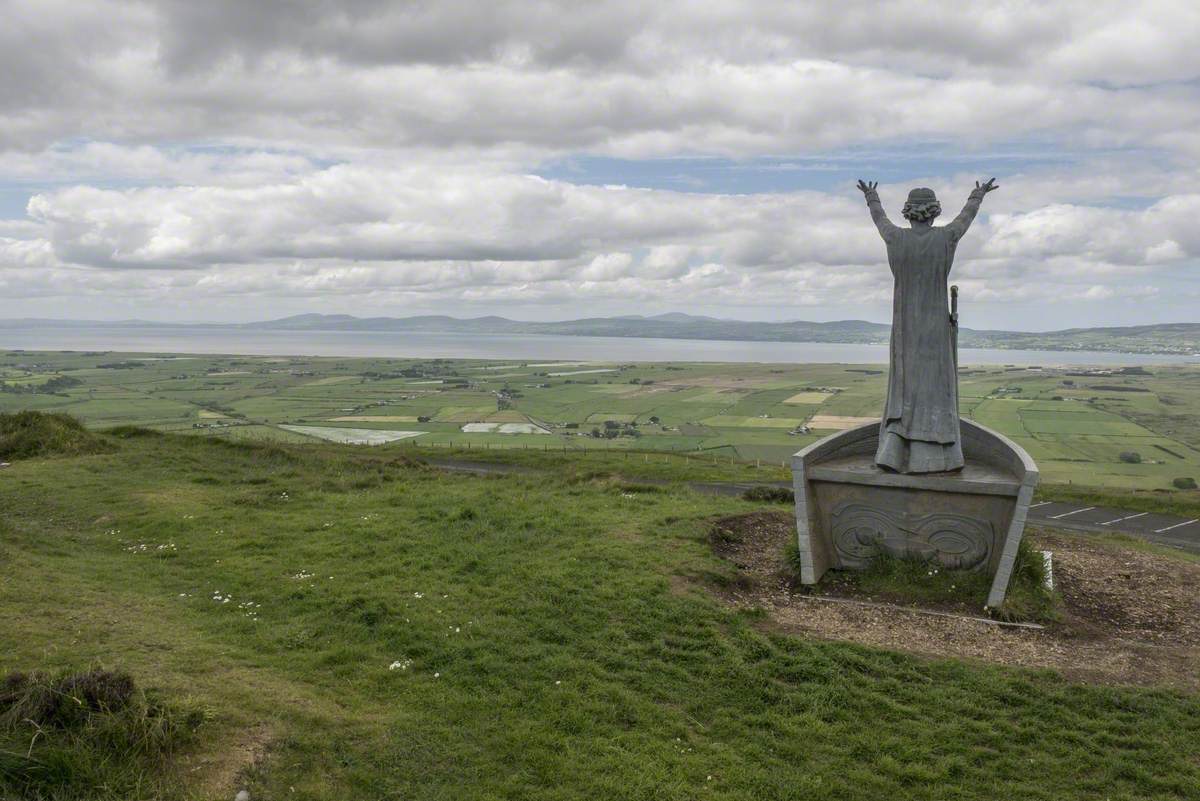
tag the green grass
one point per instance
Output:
(628, 462)
(919, 583)
(546, 646)
(30, 433)
(1128, 541)
(89, 735)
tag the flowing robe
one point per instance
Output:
(919, 432)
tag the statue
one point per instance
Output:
(898, 488)
(919, 432)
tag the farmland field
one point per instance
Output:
(1132, 428)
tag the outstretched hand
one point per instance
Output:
(866, 188)
(987, 187)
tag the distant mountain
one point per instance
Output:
(1168, 338)
(306, 321)
(669, 326)
(1171, 338)
(680, 317)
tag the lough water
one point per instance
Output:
(525, 347)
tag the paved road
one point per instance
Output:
(1180, 532)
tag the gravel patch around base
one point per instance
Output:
(1126, 616)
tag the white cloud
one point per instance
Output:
(485, 236)
(379, 151)
(1162, 233)
(1098, 292)
(618, 77)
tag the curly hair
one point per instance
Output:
(921, 212)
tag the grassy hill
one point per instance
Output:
(358, 626)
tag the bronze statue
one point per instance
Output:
(919, 432)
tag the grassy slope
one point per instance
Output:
(31, 433)
(626, 463)
(551, 657)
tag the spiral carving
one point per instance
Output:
(862, 532)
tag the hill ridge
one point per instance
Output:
(1162, 338)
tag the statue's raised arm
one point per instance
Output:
(959, 225)
(887, 229)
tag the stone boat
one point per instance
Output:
(850, 511)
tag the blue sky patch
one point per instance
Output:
(832, 171)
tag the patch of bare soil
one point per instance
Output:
(1127, 617)
(218, 770)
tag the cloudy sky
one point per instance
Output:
(232, 160)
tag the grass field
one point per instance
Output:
(1077, 426)
(357, 626)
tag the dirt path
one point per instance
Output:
(1128, 617)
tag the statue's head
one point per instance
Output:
(922, 206)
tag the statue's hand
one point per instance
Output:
(987, 187)
(867, 188)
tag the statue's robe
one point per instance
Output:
(919, 432)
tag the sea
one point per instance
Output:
(523, 347)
